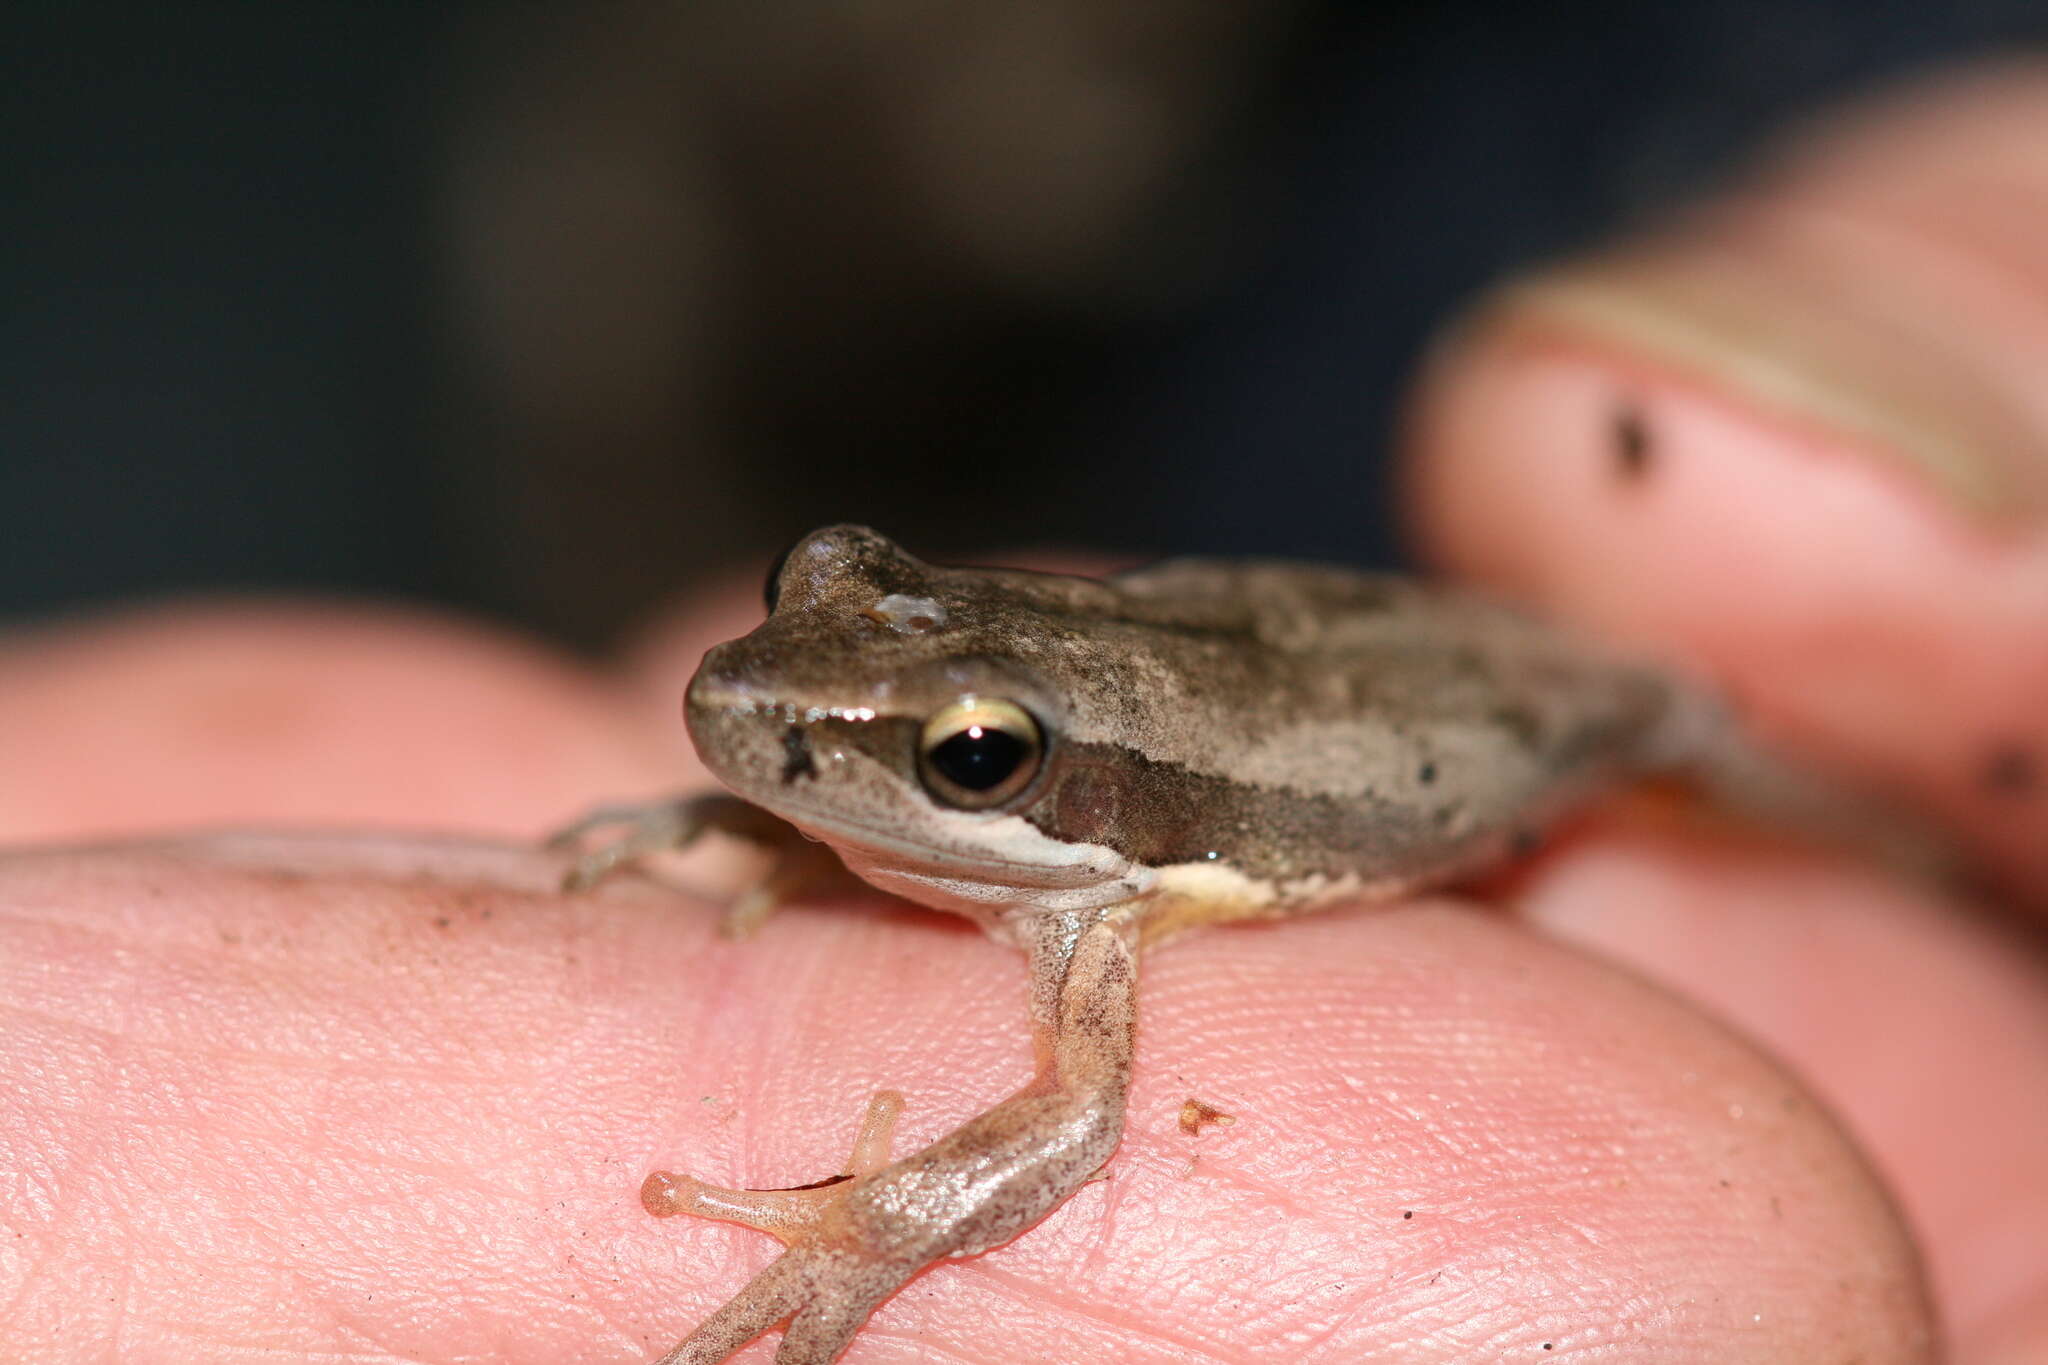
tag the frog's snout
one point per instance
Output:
(739, 741)
(714, 687)
(729, 680)
(736, 728)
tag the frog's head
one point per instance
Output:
(914, 718)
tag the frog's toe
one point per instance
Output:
(651, 827)
(801, 868)
(825, 1285)
(787, 1215)
(769, 1297)
(825, 1326)
(631, 832)
(824, 1294)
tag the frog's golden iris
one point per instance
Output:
(978, 752)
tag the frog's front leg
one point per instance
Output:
(799, 864)
(855, 1241)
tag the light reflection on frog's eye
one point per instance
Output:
(978, 752)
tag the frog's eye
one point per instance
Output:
(979, 752)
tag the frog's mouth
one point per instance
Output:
(1041, 863)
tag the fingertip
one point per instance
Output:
(1603, 443)
(1914, 1019)
(1475, 1107)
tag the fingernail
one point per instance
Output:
(1814, 354)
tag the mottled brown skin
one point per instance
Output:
(1221, 740)
(1295, 719)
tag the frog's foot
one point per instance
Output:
(678, 822)
(801, 867)
(824, 1286)
(855, 1239)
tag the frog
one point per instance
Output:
(1087, 768)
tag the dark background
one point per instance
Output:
(542, 311)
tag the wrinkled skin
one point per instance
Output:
(390, 1098)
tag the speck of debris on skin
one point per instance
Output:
(1631, 444)
(1196, 1115)
(2010, 769)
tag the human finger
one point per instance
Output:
(1797, 437)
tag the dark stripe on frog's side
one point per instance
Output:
(1161, 814)
(1520, 766)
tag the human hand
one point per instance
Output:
(392, 1097)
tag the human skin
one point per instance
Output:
(389, 1097)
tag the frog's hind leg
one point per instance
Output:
(824, 1296)
(1702, 747)
(856, 1239)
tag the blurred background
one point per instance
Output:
(545, 312)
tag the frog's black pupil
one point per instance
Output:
(979, 757)
(771, 590)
